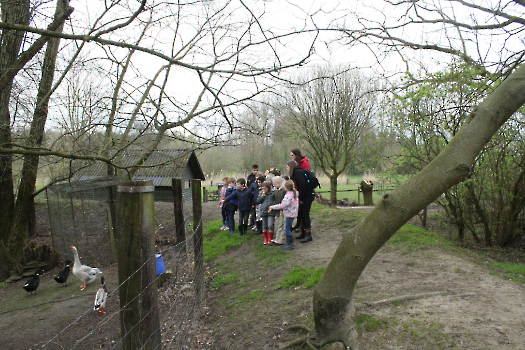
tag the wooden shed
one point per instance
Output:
(161, 167)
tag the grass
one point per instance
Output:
(370, 323)
(307, 276)
(513, 271)
(410, 238)
(217, 242)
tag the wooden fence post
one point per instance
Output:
(204, 194)
(198, 257)
(135, 236)
(178, 202)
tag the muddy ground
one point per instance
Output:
(447, 298)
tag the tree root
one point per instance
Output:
(304, 340)
(409, 297)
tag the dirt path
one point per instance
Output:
(446, 299)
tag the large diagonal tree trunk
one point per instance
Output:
(16, 12)
(332, 301)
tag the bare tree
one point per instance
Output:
(176, 70)
(331, 112)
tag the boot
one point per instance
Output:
(270, 237)
(241, 230)
(265, 236)
(245, 229)
(301, 236)
(289, 243)
(259, 228)
(307, 236)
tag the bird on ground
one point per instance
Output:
(102, 295)
(32, 284)
(64, 274)
(86, 273)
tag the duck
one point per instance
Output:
(102, 295)
(32, 284)
(64, 274)
(86, 273)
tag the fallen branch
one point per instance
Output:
(361, 306)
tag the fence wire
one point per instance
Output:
(79, 216)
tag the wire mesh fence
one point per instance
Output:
(81, 216)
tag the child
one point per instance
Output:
(279, 192)
(290, 207)
(255, 189)
(265, 199)
(221, 202)
(245, 202)
(230, 206)
(252, 178)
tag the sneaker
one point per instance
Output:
(254, 227)
(277, 242)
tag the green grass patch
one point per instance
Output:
(343, 218)
(309, 276)
(270, 255)
(370, 323)
(410, 238)
(220, 279)
(217, 242)
(514, 271)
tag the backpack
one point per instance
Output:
(311, 179)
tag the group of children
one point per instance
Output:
(270, 202)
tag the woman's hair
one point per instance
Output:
(290, 187)
(297, 153)
(278, 180)
(291, 165)
(267, 185)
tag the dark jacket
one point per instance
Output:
(250, 179)
(265, 201)
(279, 195)
(230, 204)
(299, 179)
(254, 189)
(245, 198)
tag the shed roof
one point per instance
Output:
(161, 166)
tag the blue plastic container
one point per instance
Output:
(160, 264)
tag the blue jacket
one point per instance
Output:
(244, 197)
(229, 204)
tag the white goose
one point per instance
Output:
(85, 273)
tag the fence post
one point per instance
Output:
(135, 236)
(180, 228)
(198, 241)
(204, 194)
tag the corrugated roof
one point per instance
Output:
(161, 166)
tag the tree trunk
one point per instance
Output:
(332, 301)
(24, 199)
(16, 12)
(368, 189)
(333, 189)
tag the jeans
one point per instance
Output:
(231, 220)
(288, 226)
(224, 217)
(267, 222)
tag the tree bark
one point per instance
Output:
(20, 222)
(367, 188)
(332, 301)
(333, 189)
(16, 12)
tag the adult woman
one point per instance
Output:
(306, 197)
(296, 155)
